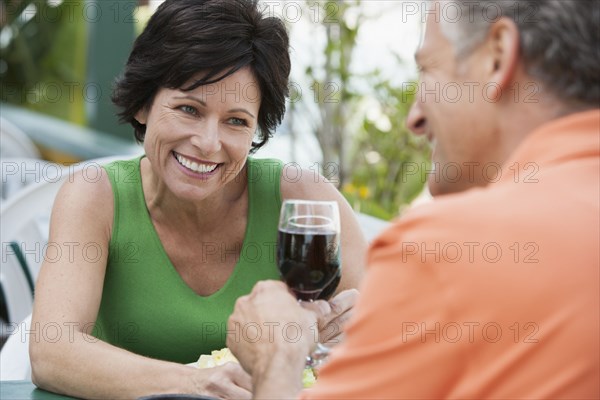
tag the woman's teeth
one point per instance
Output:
(194, 166)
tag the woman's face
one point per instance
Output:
(197, 141)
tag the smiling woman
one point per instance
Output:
(199, 52)
(198, 140)
(190, 226)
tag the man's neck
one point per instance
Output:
(532, 108)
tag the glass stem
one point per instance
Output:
(318, 356)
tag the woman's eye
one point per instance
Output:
(238, 121)
(188, 110)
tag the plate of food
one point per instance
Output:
(220, 357)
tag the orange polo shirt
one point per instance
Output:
(491, 293)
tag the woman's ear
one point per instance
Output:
(504, 48)
(141, 116)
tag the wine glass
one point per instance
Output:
(308, 253)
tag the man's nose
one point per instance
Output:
(207, 138)
(416, 121)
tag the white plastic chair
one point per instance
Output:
(24, 231)
(14, 357)
(18, 172)
(24, 228)
(15, 143)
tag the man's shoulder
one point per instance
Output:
(473, 205)
(475, 215)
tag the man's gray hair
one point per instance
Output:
(559, 39)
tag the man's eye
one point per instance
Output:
(238, 121)
(188, 110)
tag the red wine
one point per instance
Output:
(331, 287)
(309, 263)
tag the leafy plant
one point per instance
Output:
(42, 56)
(330, 83)
(376, 157)
(388, 160)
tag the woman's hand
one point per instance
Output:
(332, 323)
(227, 381)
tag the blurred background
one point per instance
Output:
(352, 84)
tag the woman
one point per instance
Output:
(188, 228)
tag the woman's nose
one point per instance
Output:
(416, 120)
(207, 139)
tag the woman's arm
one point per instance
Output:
(67, 298)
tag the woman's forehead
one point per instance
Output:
(240, 87)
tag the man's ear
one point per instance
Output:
(141, 116)
(504, 46)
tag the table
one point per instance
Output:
(25, 390)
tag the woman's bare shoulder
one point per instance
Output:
(85, 201)
(306, 184)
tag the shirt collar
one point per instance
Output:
(571, 137)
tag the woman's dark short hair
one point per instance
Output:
(218, 37)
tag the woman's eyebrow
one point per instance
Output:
(190, 97)
(243, 110)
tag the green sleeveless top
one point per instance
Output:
(146, 306)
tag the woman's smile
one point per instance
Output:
(196, 168)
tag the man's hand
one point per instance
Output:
(271, 335)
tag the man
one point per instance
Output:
(491, 292)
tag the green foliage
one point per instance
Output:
(386, 158)
(43, 61)
(335, 100)
(376, 161)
